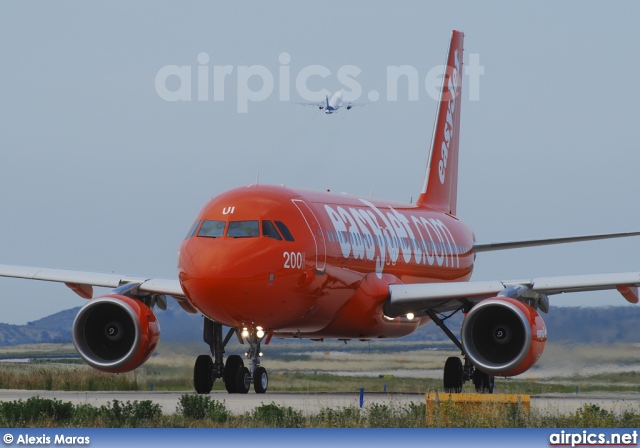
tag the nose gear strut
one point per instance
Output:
(258, 374)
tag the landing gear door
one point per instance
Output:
(316, 232)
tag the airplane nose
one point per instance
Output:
(210, 262)
(225, 279)
(199, 260)
(242, 282)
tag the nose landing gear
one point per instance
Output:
(258, 375)
(237, 378)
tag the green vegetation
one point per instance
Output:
(451, 415)
(64, 377)
(199, 407)
(202, 411)
(277, 416)
(71, 377)
(41, 412)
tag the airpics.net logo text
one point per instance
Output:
(254, 83)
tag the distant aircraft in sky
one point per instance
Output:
(331, 105)
(270, 261)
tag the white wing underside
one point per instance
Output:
(405, 298)
(168, 287)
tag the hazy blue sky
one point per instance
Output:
(99, 173)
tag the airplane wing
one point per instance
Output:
(323, 104)
(548, 241)
(318, 104)
(82, 282)
(439, 297)
(415, 298)
(348, 103)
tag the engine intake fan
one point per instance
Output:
(503, 336)
(115, 333)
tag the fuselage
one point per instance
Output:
(294, 262)
(333, 103)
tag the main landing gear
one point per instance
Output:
(455, 373)
(237, 378)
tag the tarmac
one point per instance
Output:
(311, 403)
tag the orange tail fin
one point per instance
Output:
(440, 188)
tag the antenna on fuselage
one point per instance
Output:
(257, 177)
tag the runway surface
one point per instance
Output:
(311, 403)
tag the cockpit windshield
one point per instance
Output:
(284, 230)
(193, 229)
(212, 229)
(269, 230)
(243, 229)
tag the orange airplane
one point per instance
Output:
(270, 261)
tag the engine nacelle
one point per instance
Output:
(503, 336)
(115, 333)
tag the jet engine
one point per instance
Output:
(114, 333)
(503, 336)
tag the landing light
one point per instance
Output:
(410, 316)
(245, 333)
(260, 354)
(260, 333)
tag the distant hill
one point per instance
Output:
(602, 325)
(54, 328)
(175, 326)
(574, 325)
